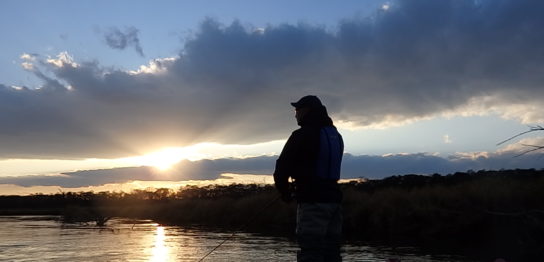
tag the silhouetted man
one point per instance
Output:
(312, 157)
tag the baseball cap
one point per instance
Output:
(307, 101)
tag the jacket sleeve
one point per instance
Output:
(286, 163)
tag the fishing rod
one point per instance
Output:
(242, 227)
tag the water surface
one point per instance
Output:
(43, 238)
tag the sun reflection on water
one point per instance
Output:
(160, 251)
(29, 238)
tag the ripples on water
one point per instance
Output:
(42, 238)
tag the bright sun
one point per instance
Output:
(165, 158)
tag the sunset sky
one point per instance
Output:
(114, 95)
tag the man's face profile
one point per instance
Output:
(300, 112)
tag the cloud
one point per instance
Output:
(369, 166)
(233, 84)
(117, 39)
(28, 61)
(185, 170)
(447, 139)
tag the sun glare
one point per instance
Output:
(165, 158)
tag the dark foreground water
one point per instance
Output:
(43, 238)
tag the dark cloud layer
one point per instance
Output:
(117, 39)
(232, 84)
(352, 167)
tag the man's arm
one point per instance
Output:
(286, 164)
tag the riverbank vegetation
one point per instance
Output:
(484, 213)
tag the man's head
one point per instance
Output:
(305, 105)
(307, 102)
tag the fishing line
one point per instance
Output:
(242, 227)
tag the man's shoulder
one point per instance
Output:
(305, 130)
(297, 131)
(305, 134)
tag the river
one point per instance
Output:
(44, 238)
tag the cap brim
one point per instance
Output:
(294, 104)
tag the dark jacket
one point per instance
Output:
(307, 157)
